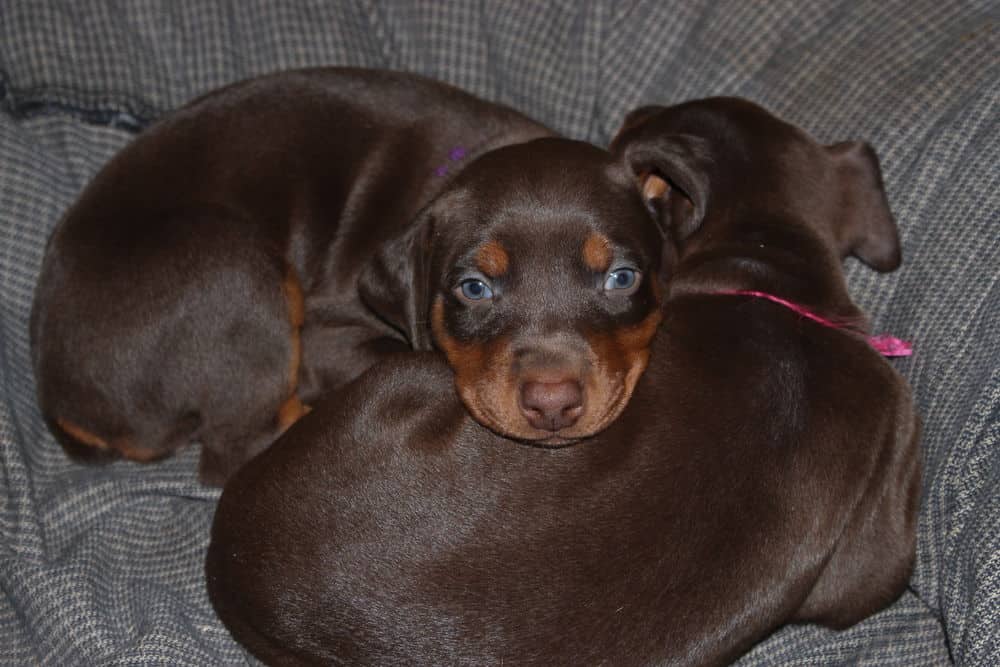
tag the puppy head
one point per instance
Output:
(745, 171)
(538, 274)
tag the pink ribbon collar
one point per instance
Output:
(886, 345)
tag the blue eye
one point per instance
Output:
(621, 279)
(474, 289)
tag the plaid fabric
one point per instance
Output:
(104, 565)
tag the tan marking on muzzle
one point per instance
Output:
(479, 374)
(489, 387)
(621, 358)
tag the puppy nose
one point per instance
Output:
(552, 406)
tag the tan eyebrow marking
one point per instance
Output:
(597, 253)
(492, 259)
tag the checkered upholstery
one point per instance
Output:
(104, 565)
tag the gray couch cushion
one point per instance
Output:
(103, 565)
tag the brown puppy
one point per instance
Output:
(539, 272)
(204, 286)
(765, 471)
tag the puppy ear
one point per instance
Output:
(671, 173)
(869, 231)
(395, 284)
(634, 119)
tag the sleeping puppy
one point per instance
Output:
(765, 470)
(203, 286)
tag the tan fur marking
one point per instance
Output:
(125, 447)
(621, 359)
(482, 379)
(291, 411)
(597, 253)
(489, 388)
(136, 453)
(296, 353)
(634, 341)
(638, 337)
(296, 316)
(492, 259)
(83, 435)
(654, 187)
(464, 359)
(292, 289)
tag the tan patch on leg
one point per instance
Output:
(134, 452)
(492, 259)
(597, 253)
(124, 446)
(293, 409)
(292, 289)
(83, 435)
(290, 412)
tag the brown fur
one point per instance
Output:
(765, 471)
(536, 337)
(232, 234)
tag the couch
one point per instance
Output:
(103, 565)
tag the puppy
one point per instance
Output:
(765, 470)
(539, 273)
(204, 285)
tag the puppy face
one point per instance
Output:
(542, 287)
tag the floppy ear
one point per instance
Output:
(671, 172)
(395, 284)
(634, 119)
(869, 231)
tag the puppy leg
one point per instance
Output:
(874, 556)
(221, 458)
(224, 451)
(183, 327)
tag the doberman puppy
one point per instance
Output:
(765, 470)
(538, 274)
(204, 285)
